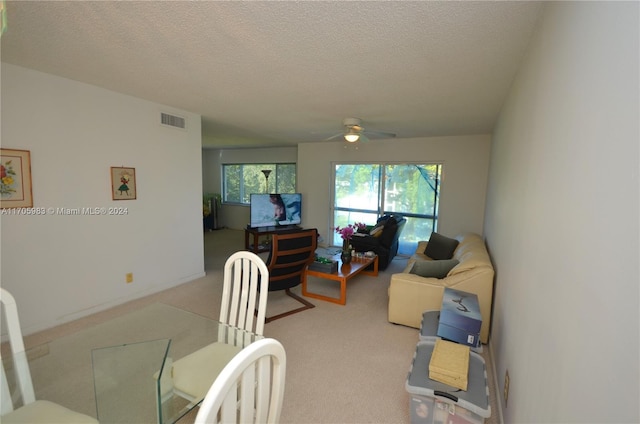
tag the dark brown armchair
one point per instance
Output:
(291, 253)
(385, 243)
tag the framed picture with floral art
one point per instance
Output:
(123, 183)
(15, 179)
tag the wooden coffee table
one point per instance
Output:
(357, 266)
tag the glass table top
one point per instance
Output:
(120, 371)
(137, 382)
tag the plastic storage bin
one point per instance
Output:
(429, 328)
(432, 402)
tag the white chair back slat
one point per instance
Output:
(263, 390)
(246, 406)
(234, 274)
(224, 306)
(229, 408)
(245, 270)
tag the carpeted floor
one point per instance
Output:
(345, 364)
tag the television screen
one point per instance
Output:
(269, 210)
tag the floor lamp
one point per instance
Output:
(266, 173)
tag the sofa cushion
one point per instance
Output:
(434, 269)
(440, 247)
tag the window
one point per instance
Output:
(363, 192)
(240, 180)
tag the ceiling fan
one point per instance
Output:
(354, 131)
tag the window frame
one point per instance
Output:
(381, 207)
(274, 178)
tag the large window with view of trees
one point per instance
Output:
(364, 192)
(240, 180)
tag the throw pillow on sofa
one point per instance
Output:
(434, 269)
(440, 247)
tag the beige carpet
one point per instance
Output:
(345, 364)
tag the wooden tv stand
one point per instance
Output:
(255, 247)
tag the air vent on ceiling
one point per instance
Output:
(173, 121)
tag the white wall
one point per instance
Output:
(62, 267)
(465, 159)
(562, 221)
(465, 170)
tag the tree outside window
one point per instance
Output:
(240, 180)
(364, 192)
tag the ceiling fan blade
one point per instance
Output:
(379, 134)
(353, 127)
(333, 137)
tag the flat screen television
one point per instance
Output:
(270, 210)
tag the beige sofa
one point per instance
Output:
(410, 295)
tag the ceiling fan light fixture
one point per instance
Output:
(352, 137)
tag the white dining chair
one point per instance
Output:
(244, 306)
(250, 388)
(29, 410)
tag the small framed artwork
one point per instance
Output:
(15, 179)
(123, 183)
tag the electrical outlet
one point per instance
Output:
(506, 388)
(129, 277)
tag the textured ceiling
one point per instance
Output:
(281, 73)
